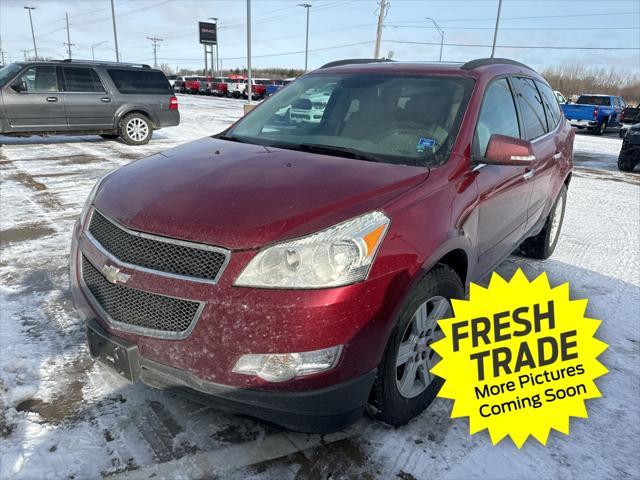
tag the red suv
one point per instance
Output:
(295, 271)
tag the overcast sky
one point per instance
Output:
(338, 29)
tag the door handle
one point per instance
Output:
(557, 156)
(528, 174)
(105, 99)
(52, 99)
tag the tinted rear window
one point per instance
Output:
(530, 101)
(593, 100)
(139, 81)
(78, 79)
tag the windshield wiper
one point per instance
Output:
(340, 151)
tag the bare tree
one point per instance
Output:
(574, 79)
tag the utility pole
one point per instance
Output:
(155, 41)
(68, 42)
(93, 46)
(249, 86)
(495, 33)
(383, 12)
(1, 52)
(33, 35)
(441, 32)
(115, 33)
(25, 53)
(306, 45)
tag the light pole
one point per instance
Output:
(33, 35)
(249, 86)
(115, 33)
(306, 45)
(441, 32)
(93, 46)
(218, 72)
(495, 33)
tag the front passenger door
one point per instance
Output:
(33, 102)
(503, 190)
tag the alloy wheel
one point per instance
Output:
(137, 129)
(415, 357)
(555, 220)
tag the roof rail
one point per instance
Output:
(481, 62)
(100, 62)
(355, 61)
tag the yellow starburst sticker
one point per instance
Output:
(519, 358)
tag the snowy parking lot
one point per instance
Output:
(63, 416)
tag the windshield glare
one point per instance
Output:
(7, 72)
(410, 120)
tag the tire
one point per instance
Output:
(390, 401)
(626, 164)
(621, 132)
(602, 127)
(110, 136)
(136, 129)
(544, 243)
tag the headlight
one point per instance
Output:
(339, 255)
(90, 198)
(278, 367)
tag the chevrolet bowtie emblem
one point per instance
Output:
(114, 275)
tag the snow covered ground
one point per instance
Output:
(62, 416)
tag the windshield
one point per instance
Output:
(594, 100)
(411, 120)
(7, 72)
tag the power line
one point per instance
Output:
(526, 47)
(281, 54)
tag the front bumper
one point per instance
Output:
(235, 321)
(318, 411)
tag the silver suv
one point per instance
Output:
(73, 97)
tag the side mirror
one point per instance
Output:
(19, 86)
(503, 150)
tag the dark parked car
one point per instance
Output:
(295, 272)
(630, 152)
(630, 116)
(75, 97)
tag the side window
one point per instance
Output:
(40, 79)
(497, 115)
(530, 103)
(551, 107)
(81, 80)
(140, 81)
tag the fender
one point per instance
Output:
(459, 242)
(128, 108)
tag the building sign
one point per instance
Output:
(208, 33)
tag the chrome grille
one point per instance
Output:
(139, 311)
(175, 257)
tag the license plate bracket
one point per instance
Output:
(119, 356)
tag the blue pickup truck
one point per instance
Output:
(595, 112)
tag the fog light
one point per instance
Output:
(278, 367)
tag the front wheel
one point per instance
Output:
(136, 129)
(405, 386)
(544, 243)
(109, 136)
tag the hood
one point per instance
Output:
(243, 196)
